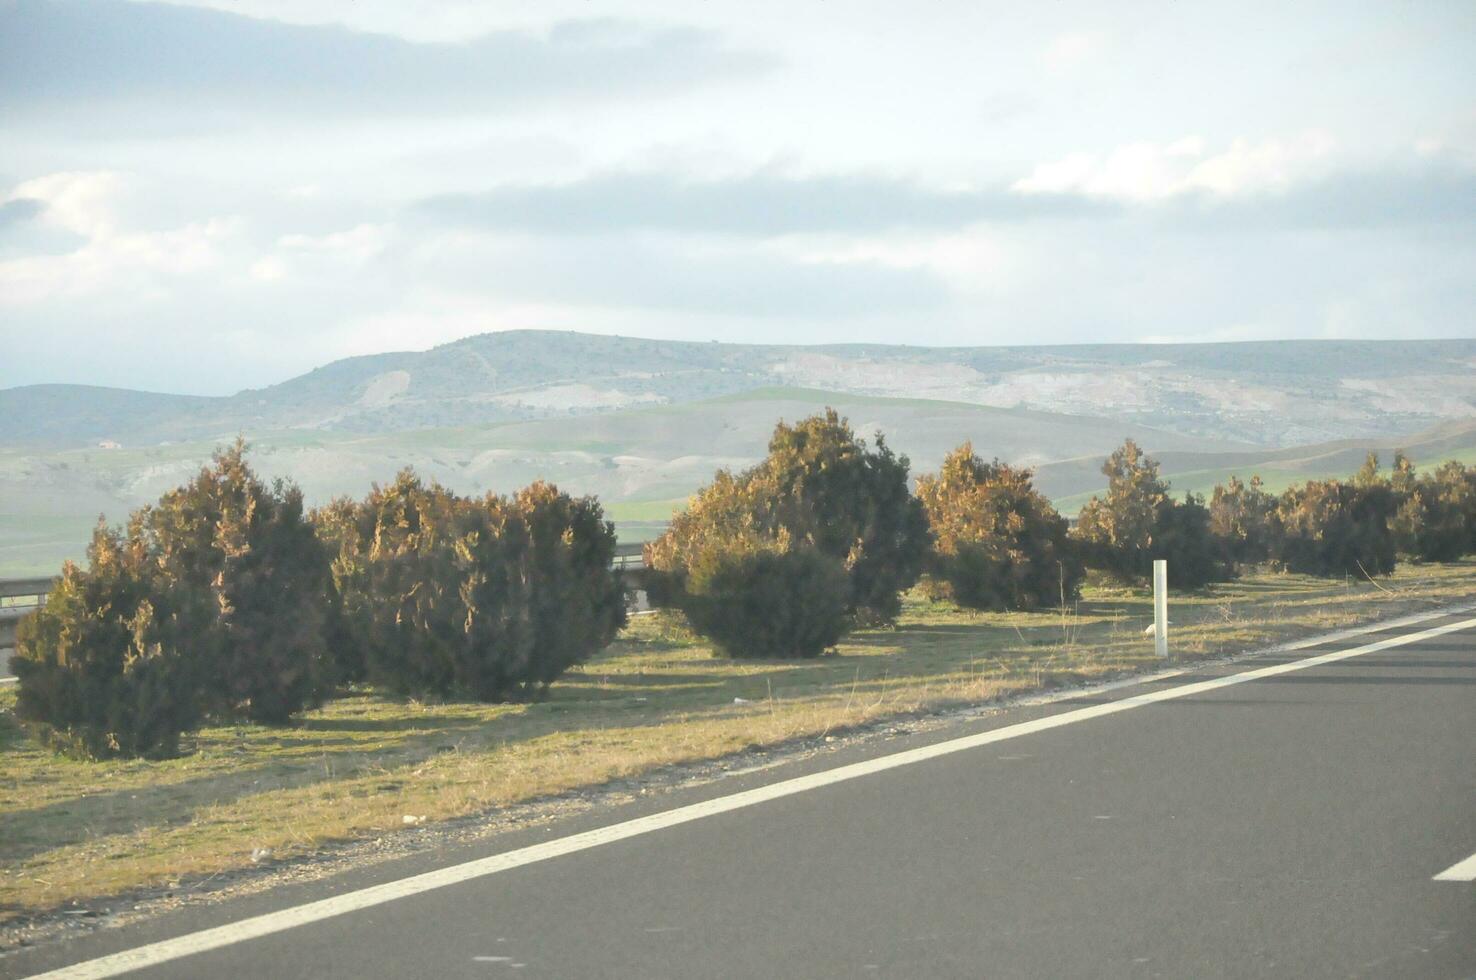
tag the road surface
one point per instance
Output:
(1294, 824)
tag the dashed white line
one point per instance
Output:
(1461, 871)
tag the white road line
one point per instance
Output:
(273, 922)
(1461, 871)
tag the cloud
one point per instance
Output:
(323, 255)
(166, 59)
(755, 205)
(659, 273)
(1147, 171)
(1416, 195)
(1298, 182)
(103, 257)
(1067, 51)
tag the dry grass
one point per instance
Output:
(358, 767)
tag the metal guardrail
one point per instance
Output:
(21, 596)
(629, 556)
(26, 588)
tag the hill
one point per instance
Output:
(643, 462)
(1267, 394)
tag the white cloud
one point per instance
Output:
(1269, 165)
(1152, 171)
(318, 255)
(970, 261)
(132, 263)
(76, 201)
(269, 268)
(1067, 51)
(356, 244)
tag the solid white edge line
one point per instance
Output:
(255, 927)
(1460, 871)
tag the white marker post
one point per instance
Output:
(1161, 607)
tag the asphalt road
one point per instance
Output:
(1288, 826)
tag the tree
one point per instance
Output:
(258, 582)
(819, 488)
(998, 543)
(1368, 475)
(1183, 538)
(577, 602)
(1242, 520)
(826, 488)
(758, 598)
(1137, 522)
(1334, 528)
(212, 603)
(100, 668)
(1436, 516)
(489, 598)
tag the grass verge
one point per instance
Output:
(363, 765)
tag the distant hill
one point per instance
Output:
(1267, 394)
(642, 461)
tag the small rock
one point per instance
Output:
(260, 854)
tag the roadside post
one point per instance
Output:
(1160, 608)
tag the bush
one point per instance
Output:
(1335, 528)
(213, 603)
(1137, 522)
(1242, 520)
(820, 487)
(998, 543)
(755, 599)
(100, 670)
(853, 504)
(1436, 516)
(257, 582)
(578, 603)
(490, 599)
(1183, 538)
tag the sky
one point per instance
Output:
(210, 196)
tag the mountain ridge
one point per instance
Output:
(1261, 392)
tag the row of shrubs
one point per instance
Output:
(782, 559)
(227, 601)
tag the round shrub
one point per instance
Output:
(1330, 527)
(998, 543)
(1436, 516)
(489, 599)
(258, 584)
(577, 603)
(820, 487)
(758, 601)
(1136, 522)
(99, 668)
(1243, 522)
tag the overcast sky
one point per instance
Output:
(205, 197)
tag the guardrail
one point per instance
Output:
(22, 596)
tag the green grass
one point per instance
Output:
(644, 511)
(657, 697)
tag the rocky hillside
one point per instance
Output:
(1265, 394)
